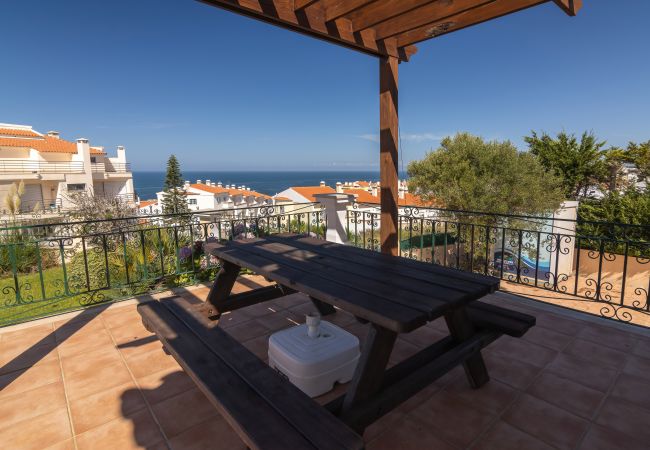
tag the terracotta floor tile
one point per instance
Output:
(608, 336)
(279, 320)
(100, 340)
(93, 372)
(248, 330)
(340, 318)
(391, 420)
(412, 434)
(339, 389)
(503, 436)
(303, 309)
(596, 353)
(206, 435)
(493, 397)
(18, 357)
(419, 398)
(440, 325)
(569, 395)
(402, 350)
(632, 389)
(30, 378)
(68, 444)
(153, 361)
(638, 366)
(233, 318)
(29, 404)
(180, 412)
(78, 328)
(548, 338)
(424, 336)
(24, 338)
(259, 347)
(523, 351)
(544, 421)
(602, 438)
(513, 372)
(291, 301)
(582, 371)
(642, 348)
(97, 409)
(38, 432)
(129, 332)
(137, 431)
(625, 418)
(454, 420)
(162, 385)
(558, 323)
(118, 317)
(130, 349)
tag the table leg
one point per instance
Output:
(369, 374)
(223, 284)
(461, 329)
(324, 309)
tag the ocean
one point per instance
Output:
(270, 183)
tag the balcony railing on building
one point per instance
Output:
(38, 167)
(110, 167)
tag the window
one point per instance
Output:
(191, 201)
(93, 159)
(77, 187)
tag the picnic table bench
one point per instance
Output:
(394, 295)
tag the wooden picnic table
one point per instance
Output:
(394, 295)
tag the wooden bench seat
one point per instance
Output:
(265, 410)
(503, 320)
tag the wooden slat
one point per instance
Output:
(253, 297)
(378, 12)
(571, 7)
(338, 8)
(317, 425)
(432, 271)
(384, 284)
(310, 20)
(427, 14)
(404, 271)
(301, 4)
(475, 16)
(256, 422)
(390, 315)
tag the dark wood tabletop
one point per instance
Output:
(395, 293)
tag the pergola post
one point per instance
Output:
(388, 148)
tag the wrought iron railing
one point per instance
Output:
(8, 166)
(55, 267)
(548, 259)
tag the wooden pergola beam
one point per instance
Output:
(474, 16)
(378, 12)
(571, 7)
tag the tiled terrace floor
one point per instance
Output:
(100, 380)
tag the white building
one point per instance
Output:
(53, 168)
(210, 196)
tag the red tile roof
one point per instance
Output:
(222, 190)
(18, 132)
(45, 144)
(145, 203)
(309, 191)
(363, 196)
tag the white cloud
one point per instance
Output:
(369, 137)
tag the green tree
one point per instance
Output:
(580, 164)
(640, 156)
(469, 173)
(173, 200)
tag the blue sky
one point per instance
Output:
(224, 92)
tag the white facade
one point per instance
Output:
(210, 196)
(52, 169)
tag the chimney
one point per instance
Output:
(248, 189)
(186, 184)
(373, 189)
(198, 181)
(401, 191)
(121, 154)
(207, 181)
(322, 184)
(219, 184)
(53, 134)
(339, 187)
